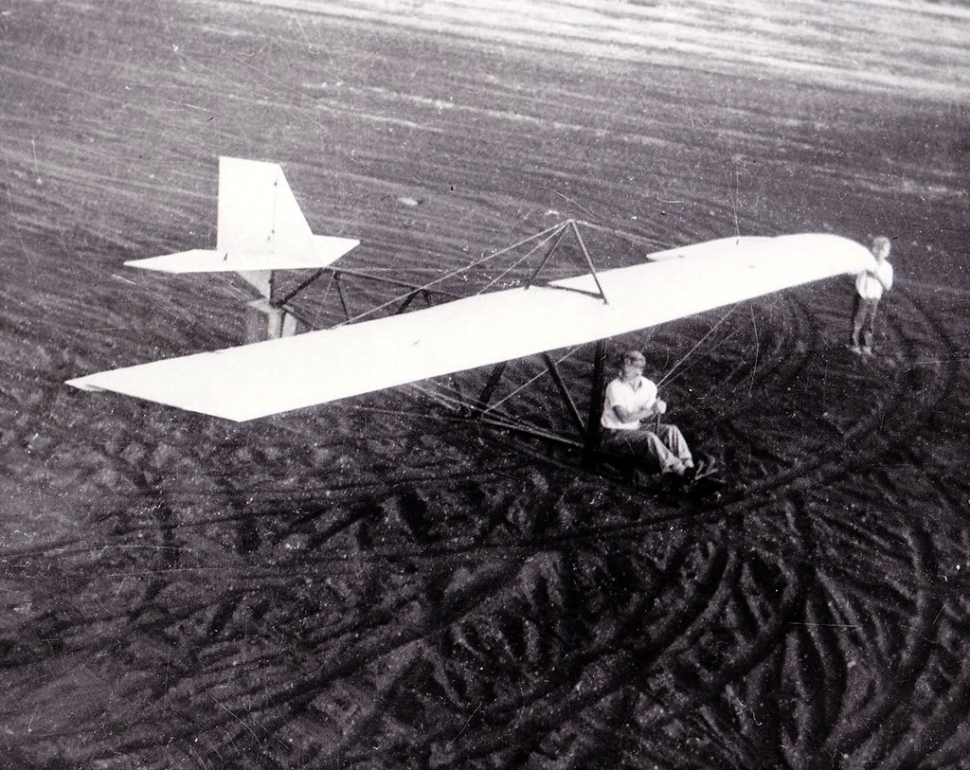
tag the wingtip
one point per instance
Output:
(193, 260)
(83, 383)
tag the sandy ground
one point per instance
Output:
(376, 584)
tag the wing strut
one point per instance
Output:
(589, 261)
(591, 438)
(552, 250)
(481, 406)
(564, 391)
(485, 411)
(571, 224)
(292, 294)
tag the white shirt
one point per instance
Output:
(868, 283)
(642, 394)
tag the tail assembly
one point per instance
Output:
(261, 228)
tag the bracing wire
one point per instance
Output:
(522, 259)
(322, 303)
(453, 273)
(528, 382)
(502, 419)
(697, 344)
(441, 395)
(492, 411)
(632, 237)
(757, 350)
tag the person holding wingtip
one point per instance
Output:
(870, 285)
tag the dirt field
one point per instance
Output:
(376, 584)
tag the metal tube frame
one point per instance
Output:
(588, 430)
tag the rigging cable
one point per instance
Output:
(452, 274)
(697, 344)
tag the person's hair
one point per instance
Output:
(880, 243)
(634, 356)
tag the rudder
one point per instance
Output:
(257, 211)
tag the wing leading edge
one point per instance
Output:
(252, 381)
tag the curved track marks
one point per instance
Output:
(370, 586)
(511, 631)
(524, 613)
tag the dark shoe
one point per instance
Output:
(705, 467)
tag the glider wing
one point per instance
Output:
(266, 378)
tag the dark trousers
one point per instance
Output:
(864, 321)
(661, 449)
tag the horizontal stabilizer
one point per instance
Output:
(266, 378)
(325, 251)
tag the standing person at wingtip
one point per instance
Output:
(870, 285)
(630, 401)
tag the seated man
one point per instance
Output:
(632, 399)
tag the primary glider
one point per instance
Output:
(280, 375)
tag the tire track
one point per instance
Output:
(481, 596)
(869, 430)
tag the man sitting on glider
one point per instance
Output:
(631, 401)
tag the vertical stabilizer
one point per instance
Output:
(260, 229)
(257, 210)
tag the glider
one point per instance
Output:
(264, 231)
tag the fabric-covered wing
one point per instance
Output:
(266, 378)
